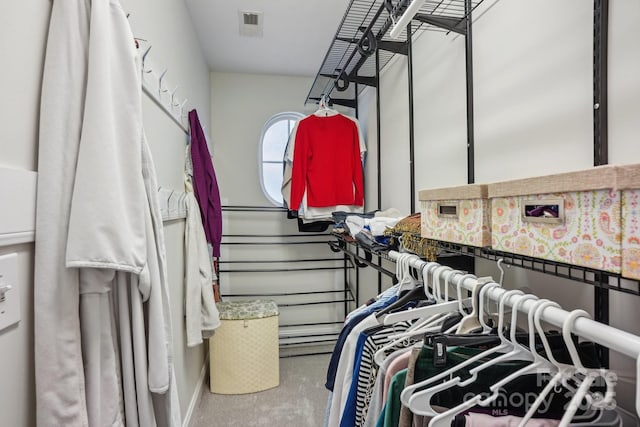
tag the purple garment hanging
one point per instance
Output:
(205, 184)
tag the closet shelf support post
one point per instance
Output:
(600, 82)
(468, 7)
(412, 164)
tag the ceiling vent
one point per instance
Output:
(250, 23)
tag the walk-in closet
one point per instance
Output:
(320, 213)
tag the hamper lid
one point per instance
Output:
(243, 310)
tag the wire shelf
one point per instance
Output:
(590, 276)
(361, 16)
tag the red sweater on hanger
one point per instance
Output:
(326, 162)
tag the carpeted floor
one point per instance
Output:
(299, 401)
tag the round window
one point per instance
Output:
(273, 143)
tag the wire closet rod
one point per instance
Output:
(276, 261)
(280, 270)
(278, 235)
(253, 208)
(276, 243)
(316, 303)
(292, 325)
(331, 291)
(287, 344)
(615, 339)
(324, 334)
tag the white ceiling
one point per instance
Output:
(296, 34)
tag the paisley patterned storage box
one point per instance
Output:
(629, 185)
(572, 217)
(456, 214)
(244, 356)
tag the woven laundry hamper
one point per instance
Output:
(244, 354)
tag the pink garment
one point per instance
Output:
(484, 420)
(399, 363)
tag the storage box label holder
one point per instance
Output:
(547, 211)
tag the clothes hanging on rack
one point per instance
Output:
(103, 341)
(397, 414)
(466, 377)
(201, 314)
(365, 372)
(205, 184)
(353, 319)
(393, 363)
(328, 144)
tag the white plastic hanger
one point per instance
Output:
(518, 352)
(416, 400)
(470, 321)
(433, 325)
(422, 312)
(435, 283)
(323, 107)
(437, 314)
(437, 287)
(590, 374)
(501, 268)
(400, 271)
(485, 288)
(540, 364)
(564, 371)
(406, 281)
(432, 316)
(428, 313)
(425, 270)
(401, 257)
(447, 283)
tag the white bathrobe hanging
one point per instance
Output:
(96, 232)
(201, 314)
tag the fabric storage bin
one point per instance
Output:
(571, 217)
(629, 185)
(456, 214)
(244, 355)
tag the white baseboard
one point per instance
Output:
(195, 398)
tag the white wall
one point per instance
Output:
(22, 45)
(23, 33)
(533, 116)
(241, 104)
(439, 138)
(367, 119)
(624, 84)
(533, 89)
(167, 27)
(394, 134)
